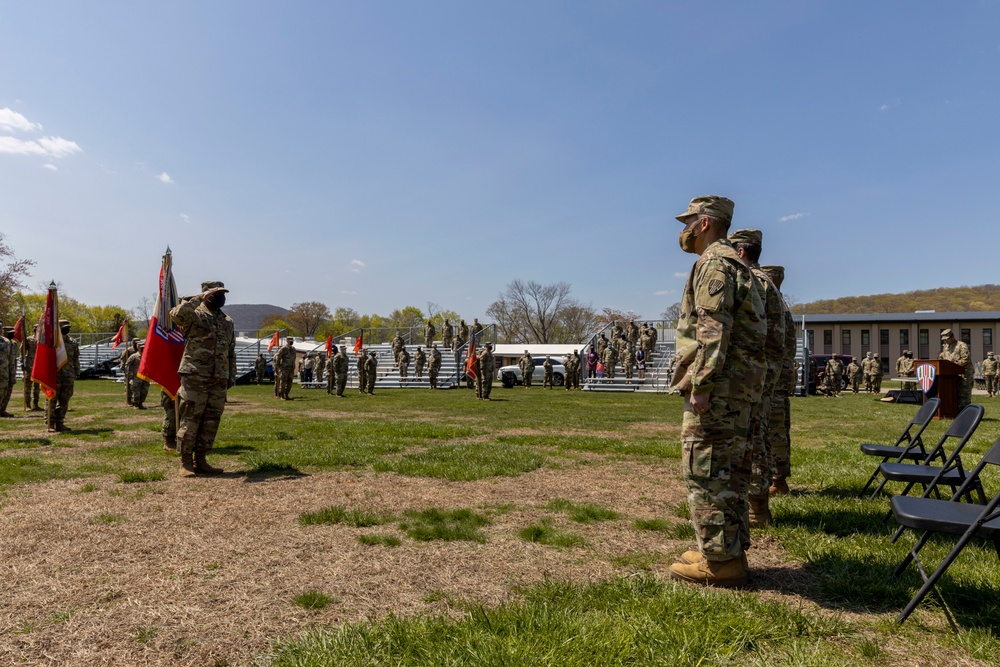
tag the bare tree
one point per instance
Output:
(13, 271)
(672, 314)
(307, 317)
(529, 312)
(609, 315)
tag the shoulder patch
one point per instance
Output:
(715, 286)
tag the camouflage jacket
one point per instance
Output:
(71, 369)
(610, 355)
(397, 344)
(435, 359)
(284, 359)
(430, 331)
(774, 344)
(419, 358)
(627, 357)
(485, 361)
(786, 381)
(834, 367)
(527, 364)
(28, 346)
(132, 364)
(990, 366)
(722, 318)
(547, 365)
(340, 365)
(959, 354)
(260, 365)
(852, 370)
(210, 344)
(463, 332)
(448, 334)
(371, 365)
(403, 359)
(5, 347)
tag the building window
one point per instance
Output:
(845, 341)
(883, 337)
(925, 337)
(866, 338)
(987, 340)
(812, 339)
(904, 338)
(967, 336)
(828, 337)
(924, 344)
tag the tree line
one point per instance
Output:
(942, 299)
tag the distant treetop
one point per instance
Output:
(941, 299)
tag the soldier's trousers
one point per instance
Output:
(7, 393)
(965, 392)
(362, 382)
(547, 380)
(433, 377)
(341, 384)
(715, 460)
(202, 401)
(59, 404)
(484, 385)
(169, 416)
(856, 383)
(527, 377)
(140, 389)
(370, 383)
(331, 383)
(991, 384)
(836, 382)
(779, 435)
(31, 392)
(877, 383)
(4, 388)
(761, 463)
(418, 371)
(284, 381)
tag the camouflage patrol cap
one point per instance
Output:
(946, 334)
(751, 236)
(775, 273)
(712, 205)
(63, 323)
(212, 284)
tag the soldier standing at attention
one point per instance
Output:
(476, 328)
(610, 358)
(12, 360)
(360, 365)
(403, 361)
(340, 369)
(463, 334)
(140, 387)
(834, 375)
(371, 372)
(866, 368)
(330, 381)
(284, 367)
(260, 368)
(901, 364)
(602, 344)
(320, 368)
(208, 370)
(722, 318)
(547, 377)
(132, 347)
(447, 336)
(957, 351)
(398, 345)
(877, 374)
(628, 362)
(65, 381)
(484, 373)
(419, 361)
(5, 347)
(990, 374)
(779, 424)
(854, 374)
(435, 366)
(429, 334)
(527, 365)
(31, 389)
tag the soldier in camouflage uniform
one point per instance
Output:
(547, 373)
(319, 368)
(31, 389)
(207, 370)
(403, 362)
(65, 382)
(371, 372)
(419, 361)
(169, 428)
(834, 376)
(957, 351)
(866, 368)
(284, 368)
(602, 344)
(140, 387)
(484, 373)
(477, 328)
(876, 374)
(398, 345)
(632, 333)
(340, 370)
(721, 336)
(854, 375)
(463, 334)
(360, 364)
(447, 336)
(6, 345)
(429, 334)
(330, 377)
(435, 366)
(527, 366)
(610, 359)
(989, 368)
(779, 421)
(749, 244)
(260, 368)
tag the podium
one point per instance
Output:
(948, 377)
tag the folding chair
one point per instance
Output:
(952, 517)
(909, 446)
(951, 473)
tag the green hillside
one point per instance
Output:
(942, 299)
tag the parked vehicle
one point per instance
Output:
(511, 375)
(820, 369)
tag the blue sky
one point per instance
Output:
(382, 154)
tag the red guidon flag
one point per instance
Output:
(470, 363)
(50, 350)
(329, 345)
(358, 343)
(275, 342)
(164, 341)
(121, 335)
(19, 330)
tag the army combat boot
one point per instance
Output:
(723, 573)
(694, 557)
(170, 444)
(187, 465)
(760, 513)
(201, 465)
(779, 487)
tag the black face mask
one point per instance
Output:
(217, 300)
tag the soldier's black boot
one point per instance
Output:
(202, 466)
(170, 444)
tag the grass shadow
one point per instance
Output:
(269, 472)
(233, 449)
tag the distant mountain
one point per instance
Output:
(942, 300)
(247, 317)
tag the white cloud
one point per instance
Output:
(680, 274)
(664, 292)
(50, 167)
(186, 218)
(165, 178)
(47, 146)
(12, 121)
(356, 265)
(793, 216)
(348, 292)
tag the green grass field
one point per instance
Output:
(839, 610)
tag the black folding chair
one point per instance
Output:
(951, 517)
(909, 446)
(951, 473)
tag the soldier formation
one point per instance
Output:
(733, 354)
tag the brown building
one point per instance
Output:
(888, 334)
